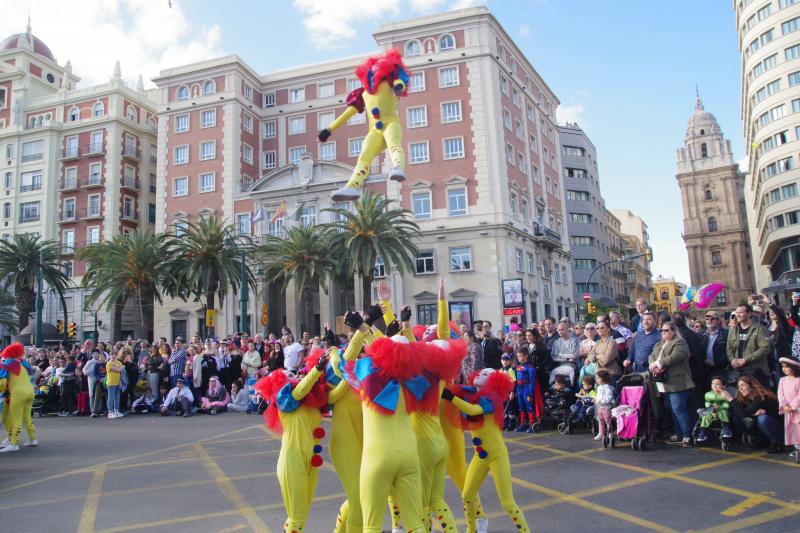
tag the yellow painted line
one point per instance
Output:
(744, 506)
(763, 518)
(754, 456)
(192, 459)
(230, 491)
(207, 516)
(237, 527)
(89, 513)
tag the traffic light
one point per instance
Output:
(648, 254)
(60, 326)
(72, 329)
(590, 308)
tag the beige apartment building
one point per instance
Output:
(715, 225)
(78, 165)
(769, 40)
(484, 180)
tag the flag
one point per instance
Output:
(299, 211)
(258, 216)
(280, 213)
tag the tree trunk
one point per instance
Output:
(24, 300)
(210, 305)
(366, 291)
(307, 322)
(119, 307)
(146, 302)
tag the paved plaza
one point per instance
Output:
(148, 473)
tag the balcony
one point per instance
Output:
(67, 184)
(31, 187)
(130, 183)
(131, 153)
(67, 248)
(67, 216)
(94, 149)
(90, 214)
(27, 158)
(70, 154)
(546, 236)
(27, 219)
(94, 180)
(130, 215)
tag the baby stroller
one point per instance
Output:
(631, 416)
(715, 428)
(46, 399)
(556, 409)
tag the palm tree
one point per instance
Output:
(9, 318)
(206, 262)
(304, 257)
(375, 229)
(128, 267)
(20, 256)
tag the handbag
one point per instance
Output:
(661, 377)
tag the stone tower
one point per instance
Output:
(714, 216)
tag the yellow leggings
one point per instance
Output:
(15, 413)
(345, 448)
(391, 137)
(500, 467)
(457, 457)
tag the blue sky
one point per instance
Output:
(626, 69)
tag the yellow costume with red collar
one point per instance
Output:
(482, 409)
(14, 379)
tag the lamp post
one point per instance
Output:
(244, 296)
(647, 254)
(39, 302)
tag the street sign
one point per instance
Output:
(211, 318)
(513, 311)
(586, 296)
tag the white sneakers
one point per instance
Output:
(33, 442)
(115, 414)
(10, 448)
(397, 174)
(598, 437)
(4, 443)
(483, 525)
(345, 194)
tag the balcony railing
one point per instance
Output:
(25, 220)
(31, 187)
(94, 180)
(153, 159)
(130, 183)
(130, 215)
(72, 152)
(68, 216)
(93, 149)
(130, 152)
(65, 184)
(32, 157)
(545, 235)
(90, 213)
(67, 248)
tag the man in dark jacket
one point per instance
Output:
(696, 357)
(715, 345)
(492, 351)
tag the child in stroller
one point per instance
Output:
(582, 411)
(557, 401)
(715, 416)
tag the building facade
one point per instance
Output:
(588, 221)
(715, 227)
(769, 42)
(667, 294)
(619, 292)
(483, 172)
(635, 242)
(78, 166)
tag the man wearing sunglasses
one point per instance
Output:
(715, 343)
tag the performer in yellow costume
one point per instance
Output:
(14, 379)
(483, 407)
(295, 411)
(384, 79)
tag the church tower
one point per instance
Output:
(714, 217)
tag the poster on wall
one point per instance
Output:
(512, 293)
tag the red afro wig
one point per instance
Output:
(383, 68)
(397, 360)
(13, 351)
(445, 363)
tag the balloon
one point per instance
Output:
(707, 293)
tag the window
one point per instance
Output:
(456, 202)
(518, 130)
(297, 95)
(427, 313)
(515, 97)
(32, 151)
(93, 235)
(269, 159)
(74, 114)
(510, 154)
(525, 210)
(296, 153)
(716, 258)
(209, 87)
(708, 194)
(413, 48)
(582, 196)
(98, 110)
(424, 263)
(96, 142)
(269, 99)
(507, 119)
(417, 82)
(703, 150)
(504, 85)
(419, 152)
(792, 52)
(521, 162)
(575, 173)
(790, 25)
(68, 212)
(325, 90)
(358, 118)
(531, 263)
(354, 147)
(448, 77)
(7, 210)
(794, 78)
(580, 218)
(518, 256)
(446, 42)
(131, 113)
(30, 181)
(577, 240)
(460, 259)
(417, 116)
(712, 224)
(208, 150)
(8, 179)
(248, 92)
(269, 129)
(9, 151)
(243, 224)
(247, 153)
(297, 125)
(574, 151)
(353, 84)
(182, 93)
(128, 210)
(513, 199)
(181, 123)
(774, 86)
(451, 112)
(421, 205)
(28, 212)
(584, 264)
(181, 155)
(786, 3)
(180, 186)
(247, 122)
(789, 191)
(308, 215)
(94, 205)
(207, 182)
(327, 151)
(454, 148)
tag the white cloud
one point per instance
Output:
(331, 23)
(523, 31)
(570, 113)
(145, 35)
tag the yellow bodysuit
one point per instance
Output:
(18, 409)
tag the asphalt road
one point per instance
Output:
(204, 473)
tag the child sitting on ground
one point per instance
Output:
(585, 403)
(146, 403)
(716, 409)
(603, 402)
(511, 408)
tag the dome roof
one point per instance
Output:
(21, 40)
(702, 122)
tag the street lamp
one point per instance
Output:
(244, 297)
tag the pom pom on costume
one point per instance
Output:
(319, 433)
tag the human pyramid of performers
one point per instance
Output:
(397, 427)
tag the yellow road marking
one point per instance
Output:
(763, 518)
(743, 506)
(230, 491)
(238, 527)
(753, 456)
(89, 513)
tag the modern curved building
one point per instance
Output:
(769, 40)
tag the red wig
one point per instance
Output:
(396, 360)
(497, 388)
(382, 68)
(269, 387)
(445, 363)
(13, 351)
